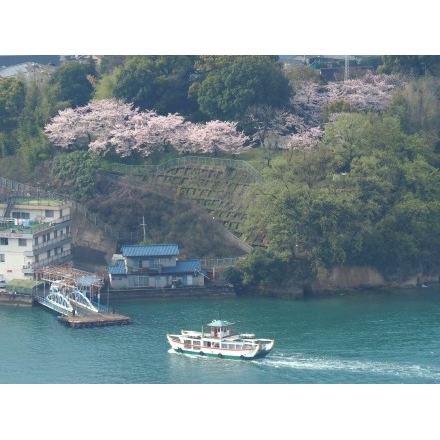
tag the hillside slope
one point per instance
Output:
(125, 204)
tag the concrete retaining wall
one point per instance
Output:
(15, 299)
(178, 293)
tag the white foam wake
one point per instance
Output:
(402, 371)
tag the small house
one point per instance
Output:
(153, 266)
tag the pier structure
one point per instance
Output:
(69, 276)
(68, 297)
(96, 320)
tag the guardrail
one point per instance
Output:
(220, 262)
(188, 160)
(51, 305)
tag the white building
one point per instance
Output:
(34, 233)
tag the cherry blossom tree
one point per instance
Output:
(142, 133)
(109, 125)
(308, 102)
(370, 92)
(263, 121)
(213, 137)
(72, 127)
(307, 138)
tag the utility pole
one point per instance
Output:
(143, 224)
(346, 73)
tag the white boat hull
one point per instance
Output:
(228, 348)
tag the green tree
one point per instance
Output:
(418, 108)
(12, 99)
(261, 267)
(32, 142)
(415, 65)
(110, 62)
(227, 93)
(73, 83)
(351, 135)
(76, 171)
(158, 83)
(104, 88)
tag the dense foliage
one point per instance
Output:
(367, 195)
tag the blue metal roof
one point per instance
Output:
(150, 250)
(117, 269)
(182, 266)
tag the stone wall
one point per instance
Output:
(15, 299)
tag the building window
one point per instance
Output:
(153, 264)
(2, 258)
(49, 213)
(55, 234)
(48, 253)
(22, 242)
(4, 241)
(36, 240)
(140, 265)
(143, 281)
(19, 214)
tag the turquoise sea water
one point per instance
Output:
(114, 382)
(366, 338)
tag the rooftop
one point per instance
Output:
(150, 250)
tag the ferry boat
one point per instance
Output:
(220, 341)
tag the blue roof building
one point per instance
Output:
(154, 266)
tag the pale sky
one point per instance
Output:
(227, 27)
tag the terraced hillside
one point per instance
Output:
(218, 185)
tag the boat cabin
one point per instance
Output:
(220, 328)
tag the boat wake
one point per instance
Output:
(398, 372)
